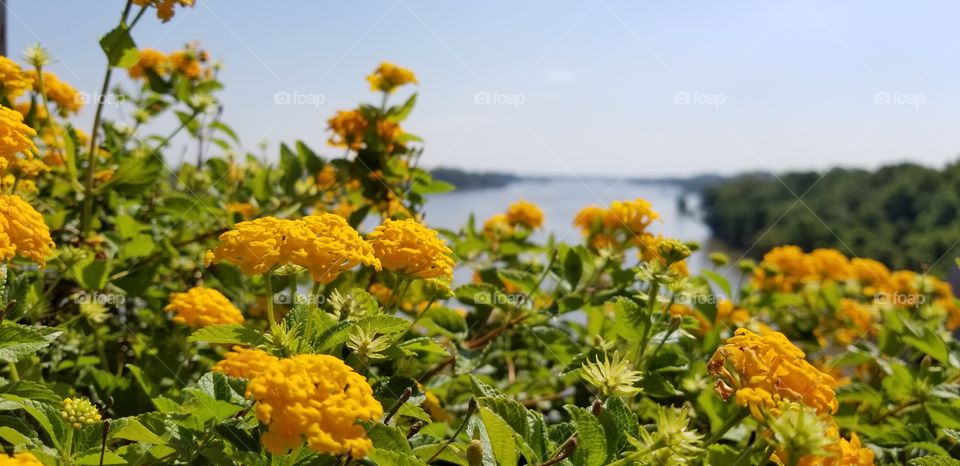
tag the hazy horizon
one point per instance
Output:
(575, 88)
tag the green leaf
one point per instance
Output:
(525, 281)
(17, 341)
(572, 268)
(92, 275)
(929, 343)
(388, 438)
(628, 319)
(945, 415)
(447, 319)
(591, 438)
(720, 280)
(119, 47)
(500, 436)
(228, 334)
(392, 458)
(618, 423)
(30, 390)
(934, 461)
(129, 428)
(721, 454)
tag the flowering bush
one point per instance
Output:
(235, 311)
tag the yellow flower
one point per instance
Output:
(15, 137)
(633, 216)
(15, 82)
(829, 264)
(497, 227)
(29, 168)
(200, 307)
(431, 404)
(324, 244)
(315, 397)
(782, 269)
(19, 459)
(79, 412)
(327, 177)
(245, 209)
(150, 59)
(22, 231)
(763, 370)
(590, 218)
(525, 214)
(409, 248)
(187, 62)
(388, 77)
(727, 312)
(348, 128)
(841, 452)
(244, 363)
(67, 98)
(164, 7)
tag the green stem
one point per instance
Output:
(308, 327)
(86, 216)
(733, 421)
(420, 315)
(67, 453)
(14, 374)
(645, 337)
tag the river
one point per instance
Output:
(562, 198)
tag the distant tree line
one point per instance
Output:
(472, 180)
(905, 215)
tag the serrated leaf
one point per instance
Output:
(933, 461)
(591, 438)
(383, 457)
(390, 438)
(228, 334)
(501, 437)
(17, 341)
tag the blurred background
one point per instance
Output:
(748, 125)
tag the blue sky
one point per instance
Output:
(571, 87)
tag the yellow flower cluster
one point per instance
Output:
(409, 248)
(525, 214)
(22, 231)
(14, 80)
(244, 363)
(841, 452)
(187, 62)
(245, 209)
(19, 459)
(314, 397)
(15, 138)
(497, 227)
(787, 269)
(200, 307)
(164, 7)
(388, 77)
(764, 370)
(348, 128)
(324, 244)
(152, 60)
(79, 412)
(67, 98)
(623, 224)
